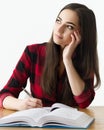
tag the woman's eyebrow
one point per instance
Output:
(59, 18)
(67, 22)
(71, 23)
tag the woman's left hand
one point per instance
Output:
(70, 48)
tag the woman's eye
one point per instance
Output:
(58, 20)
(70, 27)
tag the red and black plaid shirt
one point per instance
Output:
(30, 66)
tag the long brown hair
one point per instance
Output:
(86, 57)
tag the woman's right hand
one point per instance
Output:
(29, 103)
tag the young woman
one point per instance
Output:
(61, 70)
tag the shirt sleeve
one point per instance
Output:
(18, 78)
(86, 97)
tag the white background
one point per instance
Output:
(25, 22)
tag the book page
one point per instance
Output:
(67, 117)
(68, 113)
(30, 116)
(60, 105)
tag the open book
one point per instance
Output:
(58, 115)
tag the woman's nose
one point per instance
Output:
(61, 29)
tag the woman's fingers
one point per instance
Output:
(34, 102)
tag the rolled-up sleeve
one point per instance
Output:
(85, 98)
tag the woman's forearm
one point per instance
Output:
(21, 104)
(76, 83)
(11, 103)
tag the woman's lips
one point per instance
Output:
(58, 36)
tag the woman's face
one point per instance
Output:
(66, 23)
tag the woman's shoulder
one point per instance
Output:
(36, 47)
